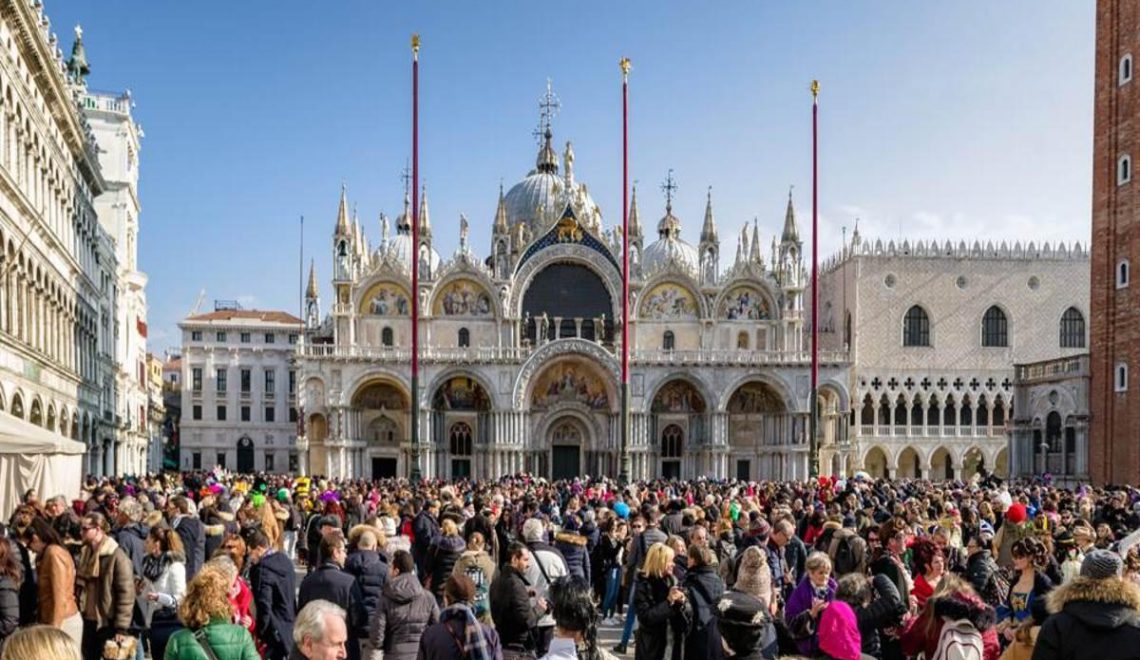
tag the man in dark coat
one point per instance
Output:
(425, 528)
(574, 548)
(514, 615)
(273, 580)
(330, 582)
(405, 610)
(1096, 615)
(130, 533)
(369, 569)
(190, 531)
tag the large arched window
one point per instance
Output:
(464, 337)
(916, 327)
(386, 337)
(460, 439)
(672, 441)
(995, 329)
(1072, 329)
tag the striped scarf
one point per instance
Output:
(474, 642)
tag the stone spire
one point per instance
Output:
(342, 212)
(77, 67)
(568, 166)
(757, 256)
(791, 232)
(739, 251)
(744, 243)
(500, 226)
(311, 290)
(425, 216)
(404, 221)
(385, 229)
(547, 160)
(708, 232)
(634, 218)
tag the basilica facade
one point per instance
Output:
(520, 347)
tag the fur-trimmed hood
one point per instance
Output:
(1110, 603)
(570, 538)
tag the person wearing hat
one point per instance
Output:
(745, 625)
(1097, 615)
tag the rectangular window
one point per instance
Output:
(293, 414)
(270, 338)
(269, 462)
(245, 413)
(270, 381)
(294, 462)
(292, 382)
(221, 337)
(222, 459)
(292, 339)
(196, 462)
(270, 414)
(196, 412)
(220, 378)
(221, 413)
(195, 335)
(245, 381)
(196, 379)
(246, 338)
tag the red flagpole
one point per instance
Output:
(623, 475)
(416, 473)
(814, 440)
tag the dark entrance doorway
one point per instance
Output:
(461, 468)
(671, 469)
(245, 455)
(744, 470)
(383, 468)
(565, 462)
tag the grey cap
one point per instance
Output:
(1101, 565)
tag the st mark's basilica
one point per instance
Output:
(520, 346)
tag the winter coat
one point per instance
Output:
(369, 570)
(405, 610)
(703, 589)
(640, 545)
(657, 619)
(573, 549)
(442, 555)
(132, 539)
(1091, 619)
(193, 536)
(980, 572)
(170, 585)
(1042, 585)
(274, 598)
(511, 609)
(329, 582)
(921, 635)
(439, 640)
(113, 591)
(229, 642)
(56, 586)
(804, 626)
(9, 607)
(885, 610)
(546, 566)
(425, 529)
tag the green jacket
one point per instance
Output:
(229, 641)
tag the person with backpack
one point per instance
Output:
(477, 565)
(703, 589)
(955, 625)
(848, 552)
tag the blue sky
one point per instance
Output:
(938, 120)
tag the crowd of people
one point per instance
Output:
(219, 566)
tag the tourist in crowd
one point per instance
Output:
(40, 642)
(546, 566)
(646, 532)
(164, 569)
(106, 581)
(55, 569)
(239, 594)
(1096, 615)
(442, 555)
(659, 603)
(321, 632)
(11, 575)
(272, 580)
(1025, 601)
(929, 565)
(205, 612)
(458, 634)
(877, 606)
(369, 570)
(703, 589)
(425, 529)
(575, 622)
(808, 601)
(953, 603)
(515, 608)
(130, 532)
(609, 555)
(404, 611)
(182, 519)
(330, 583)
(477, 565)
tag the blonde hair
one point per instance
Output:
(658, 560)
(42, 643)
(449, 528)
(816, 561)
(206, 598)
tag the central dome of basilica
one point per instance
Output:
(539, 199)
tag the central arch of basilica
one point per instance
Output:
(520, 351)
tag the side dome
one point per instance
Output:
(669, 248)
(400, 251)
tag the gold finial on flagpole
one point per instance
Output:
(814, 88)
(625, 65)
(416, 44)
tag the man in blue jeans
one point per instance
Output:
(645, 532)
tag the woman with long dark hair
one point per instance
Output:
(575, 620)
(1025, 602)
(164, 566)
(55, 570)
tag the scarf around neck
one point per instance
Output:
(89, 564)
(474, 643)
